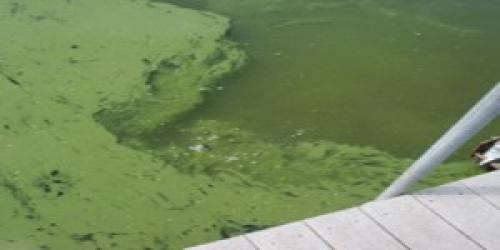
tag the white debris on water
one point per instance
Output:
(298, 133)
(213, 137)
(198, 148)
(232, 158)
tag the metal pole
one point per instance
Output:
(486, 110)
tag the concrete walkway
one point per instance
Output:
(459, 215)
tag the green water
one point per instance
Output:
(390, 74)
(142, 125)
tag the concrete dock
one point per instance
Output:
(460, 215)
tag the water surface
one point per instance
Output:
(141, 125)
(391, 74)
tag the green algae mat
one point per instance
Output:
(109, 138)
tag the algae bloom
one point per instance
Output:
(91, 95)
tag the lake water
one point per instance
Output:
(142, 125)
(390, 74)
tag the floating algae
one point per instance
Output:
(174, 87)
(226, 149)
(65, 182)
(82, 80)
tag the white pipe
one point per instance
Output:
(486, 110)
